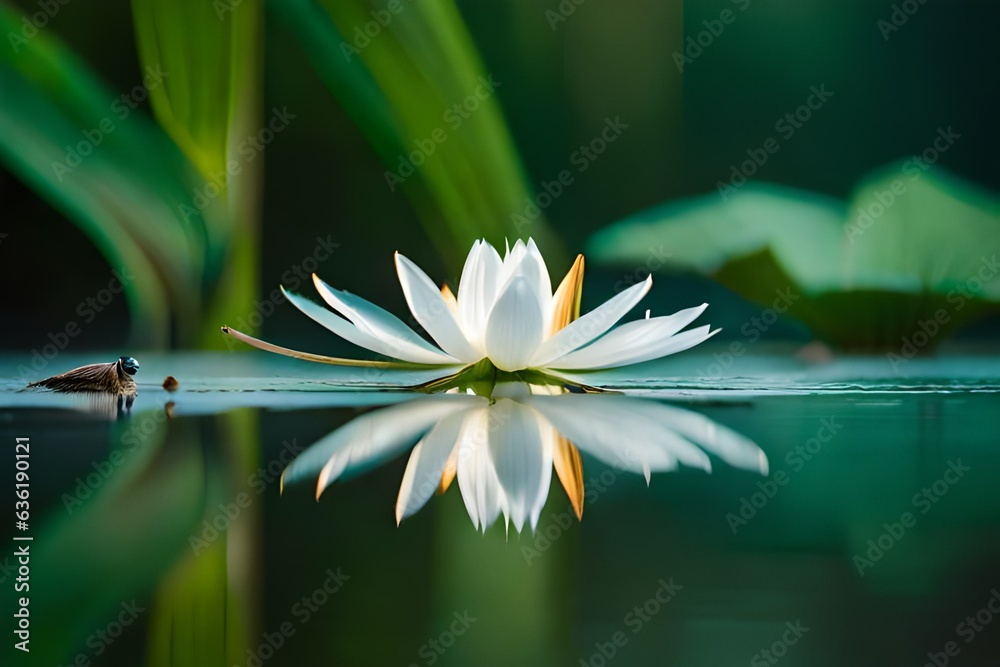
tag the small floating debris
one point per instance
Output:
(171, 383)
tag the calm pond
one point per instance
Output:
(863, 531)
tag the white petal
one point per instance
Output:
(516, 327)
(477, 478)
(533, 267)
(372, 438)
(637, 354)
(432, 311)
(633, 340)
(382, 324)
(733, 448)
(427, 461)
(586, 328)
(621, 431)
(522, 458)
(477, 291)
(349, 332)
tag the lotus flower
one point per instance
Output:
(504, 320)
(503, 450)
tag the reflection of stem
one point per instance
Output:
(207, 608)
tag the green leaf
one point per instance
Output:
(398, 86)
(908, 250)
(209, 104)
(83, 148)
(128, 531)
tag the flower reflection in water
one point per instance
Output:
(502, 450)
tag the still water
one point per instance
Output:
(843, 518)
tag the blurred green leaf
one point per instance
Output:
(399, 81)
(209, 104)
(86, 150)
(129, 530)
(207, 608)
(912, 247)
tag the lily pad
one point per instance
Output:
(908, 261)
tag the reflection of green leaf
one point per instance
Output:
(207, 607)
(209, 103)
(124, 201)
(114, 548)
(398, 87)
(863, 282)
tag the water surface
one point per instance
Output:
(873, 540)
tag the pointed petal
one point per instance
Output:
(477, 290)
(637, 341)
(566, 302)
(661, 348)
(533, 268)
(432, 311)
(621, 431)
(372, 438)
(569, 468)
(349, 332)
(477, 478)
(735, 449)
(426, 464)
(515, 327)
(448, 474)
(522, 459)
(319, 358)
(588, 327)
(383, 325)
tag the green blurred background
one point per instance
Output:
(322, 176)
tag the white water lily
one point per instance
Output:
(504, 318)
(503, 451)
